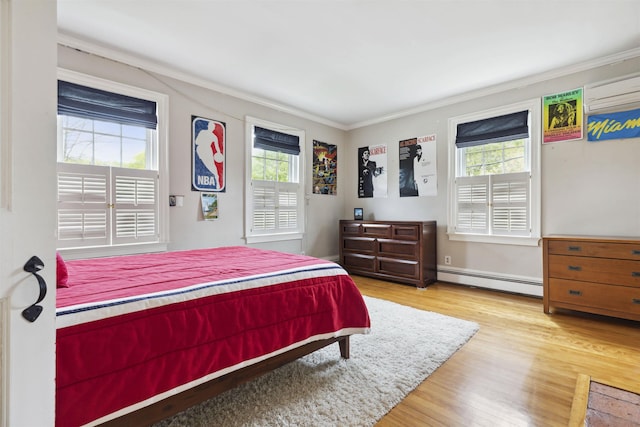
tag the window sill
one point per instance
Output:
(105, 251)
(500, 240)
(266, 238)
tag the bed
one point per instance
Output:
(142, 337)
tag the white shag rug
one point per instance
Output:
(404, 347)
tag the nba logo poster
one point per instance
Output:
(208, 140)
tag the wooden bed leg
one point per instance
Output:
(344, 347)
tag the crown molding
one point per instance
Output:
(501, 87)
(151, 66)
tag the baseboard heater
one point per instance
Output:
(489, 280)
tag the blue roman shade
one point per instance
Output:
(89, 103)
(271, 140)
(496, 129)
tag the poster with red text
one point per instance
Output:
(372, 171)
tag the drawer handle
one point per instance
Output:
(576, 293)
(635, 300)
(574, 248)
(635, 252)
(574, 267)
(635, 274)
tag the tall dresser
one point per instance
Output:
(399, 251)
(593, 274)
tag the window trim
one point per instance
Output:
(266, 237)
(534, 108)
(162, 161)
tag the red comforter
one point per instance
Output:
(134, 330)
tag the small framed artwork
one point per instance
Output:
(209, 206)
(357, 213)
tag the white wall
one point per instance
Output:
(187, 229)
(587, 188)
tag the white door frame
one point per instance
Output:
(28, 60)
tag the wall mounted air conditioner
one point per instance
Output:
(610, 94)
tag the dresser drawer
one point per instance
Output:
(359, 244)
(350, 228)
(406, 232)
(616, 250)
(359, 262)
(376, 230)
(598, 270)
(615, 298)
(398, 248)
(399, 267)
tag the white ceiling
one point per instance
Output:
(352, 62)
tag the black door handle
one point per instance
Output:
(32, 266)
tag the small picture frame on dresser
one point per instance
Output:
(358, 213)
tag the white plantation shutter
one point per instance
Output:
(497, 204)
(83, 204)
(99, 205)
(275, 206)
(510, 203)
(135, 213)
(472, 194)
(287, 206)
(264, 206)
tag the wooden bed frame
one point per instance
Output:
(172, 405)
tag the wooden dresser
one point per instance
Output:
(592, 274)
(400, 251)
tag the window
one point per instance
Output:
(110, 140)
(275, 208)
(494, 174)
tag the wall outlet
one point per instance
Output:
(447, 260)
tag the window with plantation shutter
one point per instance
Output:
(495, 175)
(275, 196)
(110, 160)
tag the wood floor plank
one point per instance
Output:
(520, 369)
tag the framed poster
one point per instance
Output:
(372, 171)
(208, 138)
(325, 168)
(562, 116)
(209, 206)
(418, 175)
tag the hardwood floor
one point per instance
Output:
(520, 369)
